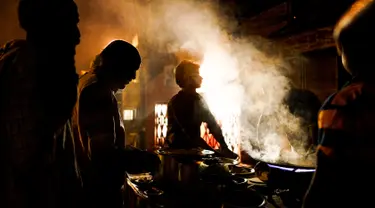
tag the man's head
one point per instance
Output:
(50, 22)
(355, 38)
(187, 75)
(117, 64)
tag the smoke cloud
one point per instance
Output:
(244, 84)
(245, 79)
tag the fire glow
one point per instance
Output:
(244, 83)
(216, 92)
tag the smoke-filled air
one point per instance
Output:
(243, 84)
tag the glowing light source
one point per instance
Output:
(161, 124)
(216, 75)
(128, 114)
(135, 41)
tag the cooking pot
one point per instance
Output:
(180, 167)
(221, 177)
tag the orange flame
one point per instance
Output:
(135, 41)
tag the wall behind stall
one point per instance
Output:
(99, 23)
(9, 21)
(159, 90)
(320, 72)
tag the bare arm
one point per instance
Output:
(101, 122)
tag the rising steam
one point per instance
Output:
(243, 84)
(243, 87)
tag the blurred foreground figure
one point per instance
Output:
(346, 120)
(187, 110)
(38, 93)
(102, 153)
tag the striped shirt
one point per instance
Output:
(346, 151)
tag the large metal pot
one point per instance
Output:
(181, 167)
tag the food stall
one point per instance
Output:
(197, 178)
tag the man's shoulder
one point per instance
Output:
(87, 79)
(12, 44)
(91, 89)
(9, 53)
(183, 98)
(351, 94)
(88, 83)
(176, 97)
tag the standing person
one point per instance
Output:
(97, 121)
(346, 120)
(187, 110)
(38, 90)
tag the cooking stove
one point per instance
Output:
(283, 186)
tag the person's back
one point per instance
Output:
(187, 110)
(347, 143)
(33, 109)
(102, 154)
(346, 120)
(183, 114)
(20, 151)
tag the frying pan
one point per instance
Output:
(291, 167)
(293, 179)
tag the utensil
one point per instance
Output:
(220, 160)
(140, 179)
(153, 192)
(241, 171)
(180, 166)
(185, 152)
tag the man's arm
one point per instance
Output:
(97, 120)
(212, 124)
(171, 125)
(174, 124)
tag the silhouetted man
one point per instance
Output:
(187, 110)
(100, 128)
(346, 120)
(38, 93)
